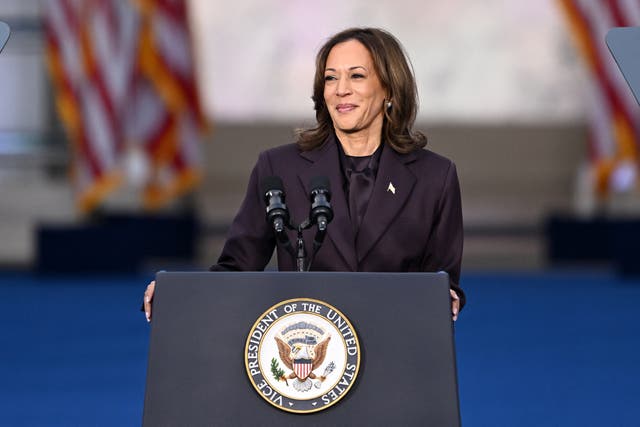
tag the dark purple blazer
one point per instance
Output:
(415, 228)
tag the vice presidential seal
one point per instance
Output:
(302, 355)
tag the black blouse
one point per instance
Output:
(359, 176)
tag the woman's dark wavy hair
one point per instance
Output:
(394, 71)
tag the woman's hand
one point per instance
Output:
(455, 304)
(148, 299)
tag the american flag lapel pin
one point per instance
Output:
(391, 188)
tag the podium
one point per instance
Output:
(202, 326)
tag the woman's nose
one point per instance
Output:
(343, 88)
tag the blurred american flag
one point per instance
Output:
(124, 77)
(614, 115)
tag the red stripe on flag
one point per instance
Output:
(617, 15)
(598, 63)
(96, 83)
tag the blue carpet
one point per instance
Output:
(549, 350)
(73, 352)
(538, 349)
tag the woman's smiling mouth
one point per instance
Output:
(345, 108)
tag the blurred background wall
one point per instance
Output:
(504, 93)
(501, 89)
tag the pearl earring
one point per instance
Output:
(388, 105)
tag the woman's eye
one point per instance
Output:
(329, 78)
(357, 76)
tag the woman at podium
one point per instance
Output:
(396, 205)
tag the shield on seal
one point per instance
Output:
(302, 368)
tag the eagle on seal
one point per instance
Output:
(302, 353)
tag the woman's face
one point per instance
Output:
(352, 90)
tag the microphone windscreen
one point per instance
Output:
(320, 182)
(272, 183)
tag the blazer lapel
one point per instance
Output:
(326, 163)
(394, 183)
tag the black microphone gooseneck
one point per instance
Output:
(321, 213)
(277, 213)
(277, 216)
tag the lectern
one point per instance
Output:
(219, 357)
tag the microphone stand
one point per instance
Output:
(302, 264)
(301, 253)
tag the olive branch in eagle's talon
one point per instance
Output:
(278, 374)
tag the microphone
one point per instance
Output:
(321, 212)
(274, 198)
